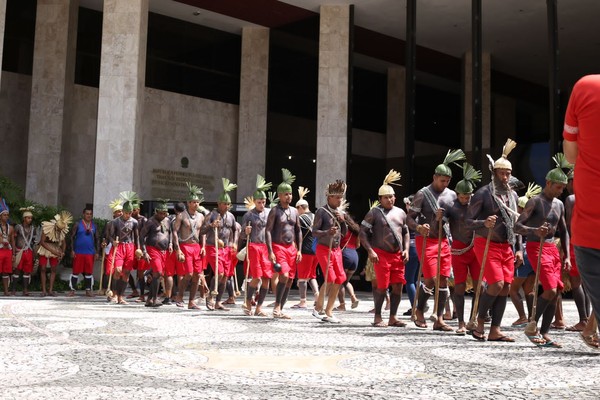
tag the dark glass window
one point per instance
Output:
(369, 101)
(438, 116)
(192, 59)
(89, 47)
(19, 36)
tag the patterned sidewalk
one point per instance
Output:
(67, 348)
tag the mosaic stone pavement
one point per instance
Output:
(67, 348)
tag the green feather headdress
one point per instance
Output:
(227, 187)
(373, 204)
(261, 187)
(558, 174)
(162, 205)
(286, 185)
(452, 157)
(130, 200)
(470, 177)
(194, 193)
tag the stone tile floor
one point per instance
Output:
(67, 348)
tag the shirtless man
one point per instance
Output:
(26, 236)
(173, 266)
(543, 215)
(329, 227)
(253, 224)
(283, 237)
(155, 239)
(7, 245)
(430, 204)
(388, 247)
(494, 207)
(141, 265)
(464, 261)
(124, 236)
(186, 242)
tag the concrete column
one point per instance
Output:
(2, 27)
(51, 93)
(396, 82)
(120, 100)
(254, 87)
(485, 106)
(332, 108)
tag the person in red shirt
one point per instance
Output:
(581, 136)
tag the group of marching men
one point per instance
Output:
(484, 234)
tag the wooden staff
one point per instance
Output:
(215, 290)
(531, 328)
(471, 325)
(247, 263)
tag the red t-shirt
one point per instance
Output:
(582, 125)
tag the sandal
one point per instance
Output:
(536, 339)
(398, 324)
(421, 324)
(246, 310)
(461, 331)
(443, 328)
(260, 314)
(354, 304)
(477, 335)
(380, 324)
(502, 338)
(553, 344)
(590, 341)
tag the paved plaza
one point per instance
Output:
(67, 348)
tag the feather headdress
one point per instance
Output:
(249, 203)
(558, 174)
(116, 205)
(502, 162)
(130, 200)
(390, 179)
(337, 188)
(452, 157)
(302, 191)
(471, 176)
(228, 186)
(286, 185)
(194, 193)
(273, 199)
(261, 187)
(533, 189)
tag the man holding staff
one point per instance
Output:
(492, 215)
(430, 203)
(329, 227)
(26, 236)
(385, 236)
(284, 241)
(222, 223)
(155, 239)
(254, 223)
(542, 216)
(464, 261)
(186, 242)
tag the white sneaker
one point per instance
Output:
(316, 314)
(332, 320)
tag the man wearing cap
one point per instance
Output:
(493, 212)
(428, 206)
(283, 237)
(542, 216)
(7, 245)
(85, 239)
(329, 227)
(219, 228)
(124, 236)
(155, 238)
(186, 242)
(254, 223)
(26, 236)
(464, 261)
(307, 267)
(385, 236)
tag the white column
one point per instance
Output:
(120, 101)
(332, 108)
(51, 92)
(254, 87)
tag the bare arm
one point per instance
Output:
(571, 150)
